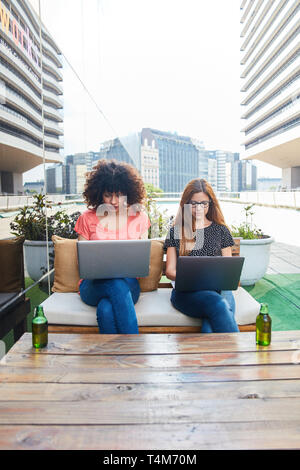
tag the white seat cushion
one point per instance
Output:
(152, 309)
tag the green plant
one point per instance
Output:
(158, 218)
(33, 223)
(246, 229)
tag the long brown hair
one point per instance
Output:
(214, 213)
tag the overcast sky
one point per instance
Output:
(168, 64)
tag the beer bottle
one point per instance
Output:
(39, 328)
(263, 326)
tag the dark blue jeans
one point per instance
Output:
(115, 299)
(216, 310)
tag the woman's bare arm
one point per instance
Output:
(226, 251)
(81, 238)
(171, 263)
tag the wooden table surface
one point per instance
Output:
(163, 391)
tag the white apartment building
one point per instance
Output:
(149, 161)
(221, 170)
(270, 90)
(30, 87)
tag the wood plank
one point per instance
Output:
(142, 329)
(156, 344)
(156, 412)
(80, 374)
(149, 392)
(159, 362)
(194, 436)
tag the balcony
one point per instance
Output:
(49, 43)
(16, 100)
(53, 127)
(13, 119)
(271, 48)
(16, 63)
(261, 77)
(271, 19)
(291, 111)
(53, 113)
(48, 64)
(52, 56)
(251, 18)
(51, 82)
(9, 77)
(55, 142)
(30, 20)
(290, 92)
(52, 98)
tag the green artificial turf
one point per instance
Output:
(282, 293)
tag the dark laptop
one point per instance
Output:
(208, 273)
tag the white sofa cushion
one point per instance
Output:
(152, 309)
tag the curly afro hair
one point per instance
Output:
(113, 177)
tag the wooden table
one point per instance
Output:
(186, 391)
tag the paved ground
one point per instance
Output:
(284, 259)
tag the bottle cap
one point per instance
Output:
(39, 309)
(264, 308)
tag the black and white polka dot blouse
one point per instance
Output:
(209, 241)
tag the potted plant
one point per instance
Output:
(254, 246)
(33, 223)
(158, 218)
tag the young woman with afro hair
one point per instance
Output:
(115, 194)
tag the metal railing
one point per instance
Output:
(269, 198)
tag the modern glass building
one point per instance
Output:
(125, 149)
(30, 89)
(167, 160)
(179, 159)
(270, 61)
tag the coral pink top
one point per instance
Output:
(89, 226)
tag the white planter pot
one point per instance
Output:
(35, 259)
(257, 257)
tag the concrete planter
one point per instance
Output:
(257, 256)
(35, 258)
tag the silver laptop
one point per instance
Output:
(215, 273)
(109, 259)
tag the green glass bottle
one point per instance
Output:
(39, 329)
(263, 326)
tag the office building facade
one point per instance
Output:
(125, 149)
(178, 158)
(166, 160)
(30, 86)
(169, 161)
(54, 179)
(270, 56)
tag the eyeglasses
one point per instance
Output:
(202, 203)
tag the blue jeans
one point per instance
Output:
(115, 299)
(216, 310)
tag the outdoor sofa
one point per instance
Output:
(66, 312)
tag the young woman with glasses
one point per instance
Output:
(199, 229)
